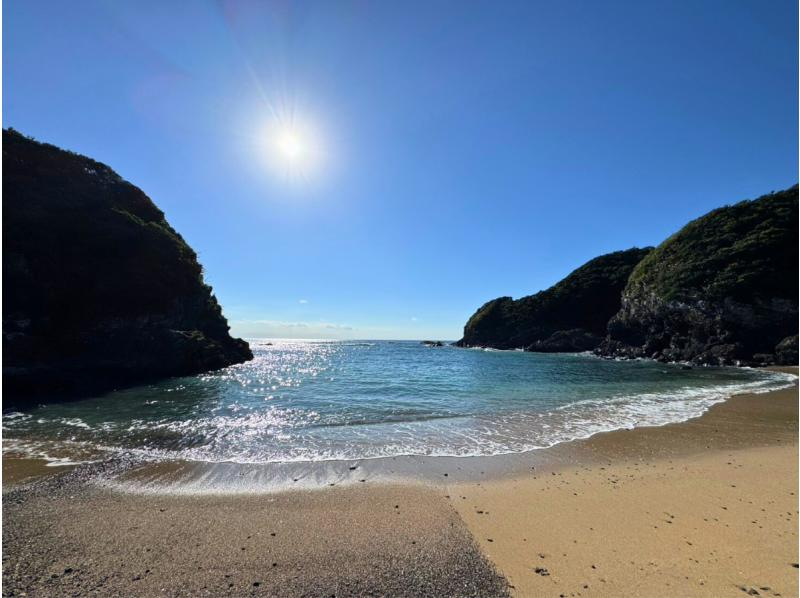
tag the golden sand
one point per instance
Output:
(656, 511)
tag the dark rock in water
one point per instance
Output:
(786, 351)
(433, 343)
(583, 301)
(567, 341)
(722, 290)
(99, 290)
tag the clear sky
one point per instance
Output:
(380, 169)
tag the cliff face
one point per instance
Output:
(98, 289)
(722, 290)
(570, 316)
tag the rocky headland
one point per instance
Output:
(570, 316)
(99, 291)
(721, 291)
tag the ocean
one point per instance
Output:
(313, 401)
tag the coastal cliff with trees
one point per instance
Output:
(721, 291)
(99, 290)
(570, 316)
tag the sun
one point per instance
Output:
(293, 150)
(290, 146)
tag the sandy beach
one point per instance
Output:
(703, 508)
(395, 541)
(706, 507)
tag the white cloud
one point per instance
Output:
(413, 319)
(284, 329)
(303, 301)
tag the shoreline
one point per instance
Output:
(227, 477)
(704, 507)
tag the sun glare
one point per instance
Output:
(293, 150)
(290, 146)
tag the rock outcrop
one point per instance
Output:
(722, 290)
(433, 343)
(569, 316)
(786, 351)
(99, 290)
(566, 341)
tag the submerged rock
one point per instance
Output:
(569, 316)
(99, 290)
(722, 290)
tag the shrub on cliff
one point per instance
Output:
(741, 251)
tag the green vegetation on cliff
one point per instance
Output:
(740, 251)
(581, 303)
(98, 288)
(722, 290)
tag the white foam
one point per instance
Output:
(233, 432)
(55, 453)
(450, 437)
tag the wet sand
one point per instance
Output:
(701, 508)
(23, 469)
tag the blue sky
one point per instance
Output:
(452, 152)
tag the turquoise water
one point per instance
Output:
(324, 400)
